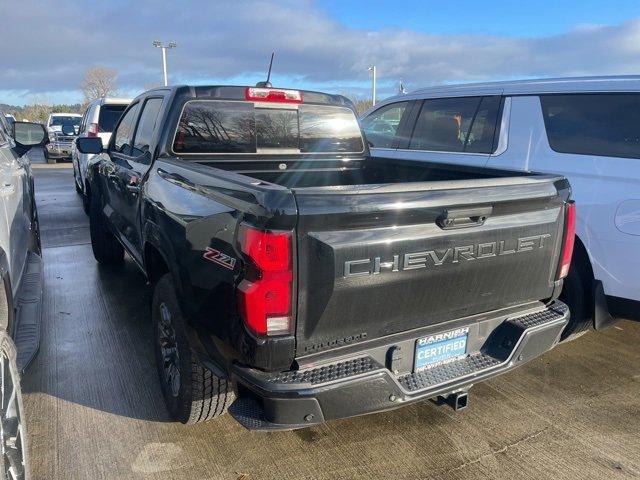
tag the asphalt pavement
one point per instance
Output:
(95, 411)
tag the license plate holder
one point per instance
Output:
(438, 349)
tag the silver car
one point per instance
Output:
(21, 280)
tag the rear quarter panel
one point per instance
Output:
(189, 210)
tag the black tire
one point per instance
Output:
(577, 293)
(48, 158)
(191, 392)
(14, 462)
(75, 182)
(106, 248)
(86, 201)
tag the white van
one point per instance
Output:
(99, 120)
(587, 129)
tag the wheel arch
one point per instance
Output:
(159, 257)
(158, 254)
(580, 253)
(6, 291)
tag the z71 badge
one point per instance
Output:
(216, 256)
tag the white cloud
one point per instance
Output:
(53, 46)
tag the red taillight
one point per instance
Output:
(568, 240)
(265, 302)
(273, 95)
(93, 130)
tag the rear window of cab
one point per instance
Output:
(236, 127)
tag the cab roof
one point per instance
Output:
(602, 84)
(548, 85)
(238, 92)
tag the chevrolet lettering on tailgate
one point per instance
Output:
(412, 261)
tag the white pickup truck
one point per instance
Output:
(59, 146)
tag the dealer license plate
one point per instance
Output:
(440, 348)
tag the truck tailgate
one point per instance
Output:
(378, 260)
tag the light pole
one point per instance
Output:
(372, 69)
(164, 48)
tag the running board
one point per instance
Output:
(28, 307)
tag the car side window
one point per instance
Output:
(464, 124)
(147, 126)
(483, 128)
(124, 133)
(381, 126)
(602, 124)
(83, 122)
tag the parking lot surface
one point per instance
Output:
(94, 408)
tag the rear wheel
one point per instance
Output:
(191, 392)
(577, 293)
(106, 248)
(75, 181)
(48, 158)
(86, 200)
(13, 447)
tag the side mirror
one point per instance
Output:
(68, 130)
(27, 134)
(89, 145)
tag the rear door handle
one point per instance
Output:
(464, 217)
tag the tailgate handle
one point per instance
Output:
(463, 217)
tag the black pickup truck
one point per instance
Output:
(297, 280)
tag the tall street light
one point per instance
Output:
(372, 69)
(164, 48)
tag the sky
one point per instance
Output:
(320, 44)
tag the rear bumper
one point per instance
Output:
(359, 385)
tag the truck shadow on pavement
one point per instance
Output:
(96, 348)
(96, 345)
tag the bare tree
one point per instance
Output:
(361, 104)
(38, 110)
(98, 82)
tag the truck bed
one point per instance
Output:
(310, 174)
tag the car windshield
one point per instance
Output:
(59, 121)
(215, 126)
(10, 119)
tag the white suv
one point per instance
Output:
(587, 129)
(99, 120)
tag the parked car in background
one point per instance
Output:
(587, 129)
(21, 281)
(297, 279)
(59, 146)
(99, 120)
